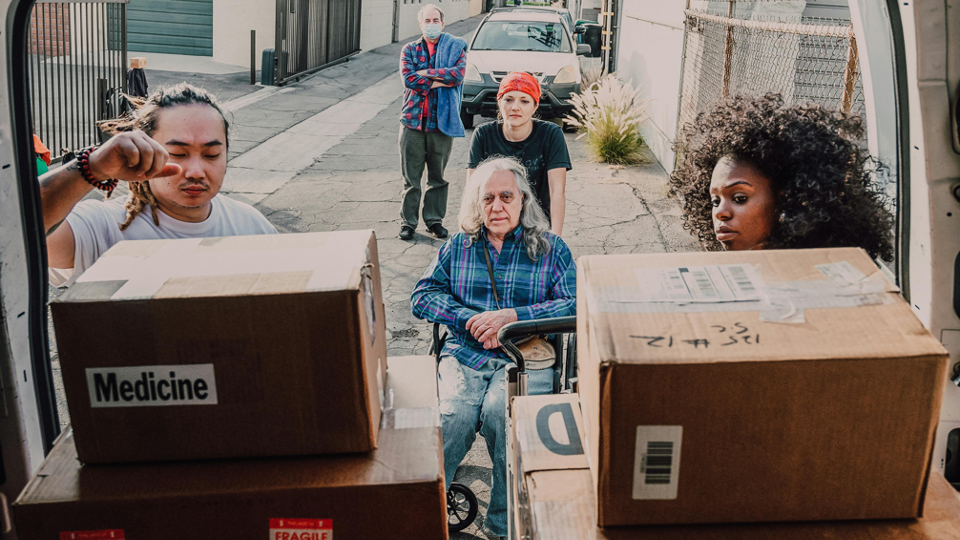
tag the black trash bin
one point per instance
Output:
(267, 68)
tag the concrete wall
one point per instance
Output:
(650, 54)
(377, 23)
(232, 25)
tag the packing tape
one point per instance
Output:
(146, 274)
(788, 300)
(782, 302)
(410, 418)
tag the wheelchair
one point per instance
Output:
(462, 506)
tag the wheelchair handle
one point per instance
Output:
(518, 330)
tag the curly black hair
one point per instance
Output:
(822, 177)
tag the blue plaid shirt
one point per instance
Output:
(419, 100)
(457, 286)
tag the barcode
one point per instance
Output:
(658, 462)
(743, 282)
(656, 468)
(704, 284)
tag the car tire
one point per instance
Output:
(467, 120)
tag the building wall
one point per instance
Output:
(50, 30)
(231, 26)
(377, 24)
(231, 29)
(650, 54)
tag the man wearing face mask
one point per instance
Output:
(432, 68)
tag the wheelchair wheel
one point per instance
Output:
(461, 507)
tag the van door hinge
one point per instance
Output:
(955, 125)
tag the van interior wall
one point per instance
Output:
(376, 27)
(231, 30)
(21, 442)
(649, 54)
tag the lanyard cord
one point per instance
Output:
(493, 282)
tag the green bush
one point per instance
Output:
(609, 143)
(609, 113)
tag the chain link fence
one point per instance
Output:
(743, 50)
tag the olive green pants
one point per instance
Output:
(419, 149)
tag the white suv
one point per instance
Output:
(538, 43)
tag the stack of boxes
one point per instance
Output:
(761, 387)
(209, 381)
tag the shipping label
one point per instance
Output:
(301, 529)
(656, 468)
(152, 386)
(713, 283)
(107, 534)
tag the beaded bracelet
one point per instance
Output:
(83, 159)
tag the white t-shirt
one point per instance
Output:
(96, 228)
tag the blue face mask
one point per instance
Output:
(432, 31)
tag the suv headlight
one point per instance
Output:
(567, 75)
(472, 74)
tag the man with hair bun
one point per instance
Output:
(432, 68)
(172, 152)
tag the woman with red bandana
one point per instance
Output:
(539, 145)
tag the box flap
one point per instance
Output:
(410, 393)
(549, 432)
(748, 306)
(225, 266)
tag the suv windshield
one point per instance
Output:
(522, 36)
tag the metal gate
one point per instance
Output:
(314, 34)
(77, 69)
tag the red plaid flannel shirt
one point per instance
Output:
(419, 100)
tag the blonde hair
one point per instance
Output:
(144, 118)
(532, 218)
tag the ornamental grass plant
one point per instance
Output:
(609, 114)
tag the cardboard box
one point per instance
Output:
(396, 491)
(560, 504)
(225, 347)
(754, 386)
(547, 437)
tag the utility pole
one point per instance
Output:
(395, 37)
(606, 13)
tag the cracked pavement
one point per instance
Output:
(356, 184)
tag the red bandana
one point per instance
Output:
(522, 82)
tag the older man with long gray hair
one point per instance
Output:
(503, 266)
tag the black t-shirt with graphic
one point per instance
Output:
(543, 150)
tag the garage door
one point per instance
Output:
(170, 26)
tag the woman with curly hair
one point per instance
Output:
(759, 175)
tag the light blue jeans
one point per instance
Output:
(476, 399)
